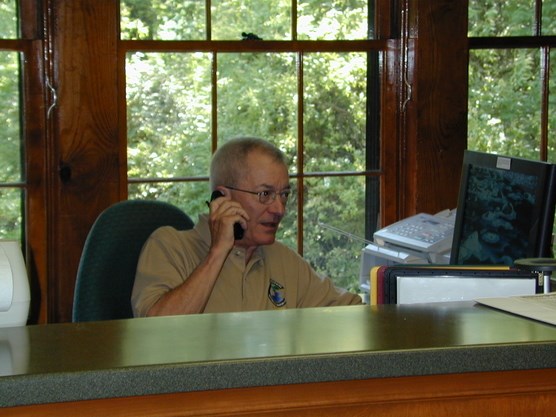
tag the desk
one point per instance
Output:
(380, 360)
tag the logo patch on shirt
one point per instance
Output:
(276, 294)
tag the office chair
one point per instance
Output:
(108, 262)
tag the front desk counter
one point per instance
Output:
(457, 359)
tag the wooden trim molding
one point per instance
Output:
(530, 392)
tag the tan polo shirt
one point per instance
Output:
(276, 277)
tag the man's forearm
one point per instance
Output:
(191, 296)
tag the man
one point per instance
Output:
(207, 269)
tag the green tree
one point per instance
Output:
(8, 19)
(504, 102)
(504, 84)
(10, 140)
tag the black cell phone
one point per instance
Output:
(238, 230)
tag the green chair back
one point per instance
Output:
(108, 262)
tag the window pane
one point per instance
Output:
(163, 19)
(338, 203)
(10, 213)
(257, 96)
(504, 102)
(548, 20)
(189, 196)
(332, 19)
(8, 20)
(168, 114)
(269, 20)
(335, 111)
(10, 138)
(501, 18)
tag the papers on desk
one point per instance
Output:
(540, 307)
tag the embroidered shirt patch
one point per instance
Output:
(276, 294)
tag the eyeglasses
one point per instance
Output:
(267, 196)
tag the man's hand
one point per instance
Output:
(224, 213)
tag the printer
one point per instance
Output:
(419, 239)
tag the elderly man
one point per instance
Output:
(211, 268)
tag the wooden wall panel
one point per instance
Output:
(34, 116)
(83, 165)
(512, 393)
(436, 130)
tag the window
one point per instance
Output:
(11, 168)
(512, 69)
(298, 73)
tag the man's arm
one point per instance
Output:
(191, 295)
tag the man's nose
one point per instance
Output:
(277, 206)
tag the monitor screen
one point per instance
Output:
(505, 210)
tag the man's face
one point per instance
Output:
(263, 174)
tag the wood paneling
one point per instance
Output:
(512, 393)
(84, 159)
(436, 120)
(34, 114)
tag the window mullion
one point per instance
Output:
(214, 101)
(208, 14)
(544, 80)
(300, 152)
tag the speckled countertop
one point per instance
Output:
(68, 362)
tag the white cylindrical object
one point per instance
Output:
(6, 281)
(18, 310)
(546, 277)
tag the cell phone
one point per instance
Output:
(238, 230)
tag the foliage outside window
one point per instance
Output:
(184, 102)
(8, 19)
(512, 99)
(11, 174)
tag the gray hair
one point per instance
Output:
(229, 161)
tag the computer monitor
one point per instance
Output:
(505, 210)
